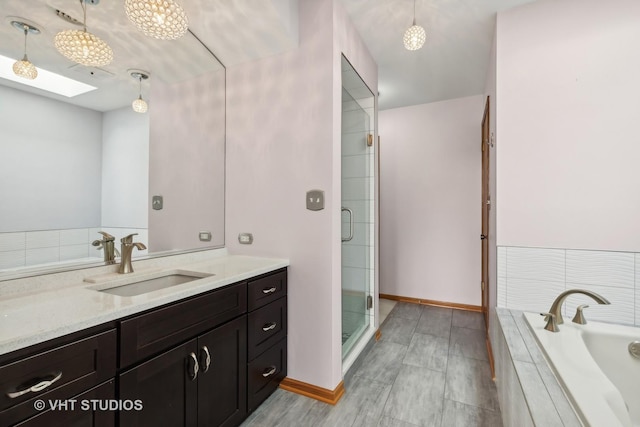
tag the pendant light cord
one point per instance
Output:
(414, 12)
(25, 40)
(84, 13)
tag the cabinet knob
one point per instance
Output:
(193, 374)
(205, 358)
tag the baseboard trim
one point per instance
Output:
(378, 335)
(322, 394)
(454, 305)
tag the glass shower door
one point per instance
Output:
(357, 206)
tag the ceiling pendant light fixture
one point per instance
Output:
(139, 105)
(24, 68)
(160, 19)
(415, 35)
(83, 47)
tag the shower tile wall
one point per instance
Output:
(531, 278)
(23, 249)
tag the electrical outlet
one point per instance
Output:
(315, 200)
(245, 238)
(204, 236)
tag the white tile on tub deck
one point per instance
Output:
(42, 255)
(12, 259)
(75, 236)
(13, 241)
(621, 309)
(42, 239)
(603, 268)
(532, 295)
(502, 291)
(69, 252)
(536, 263)
(502, 261)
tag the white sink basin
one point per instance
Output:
(146, 285)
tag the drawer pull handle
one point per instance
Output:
(36, 388)
(269, 290)
(271, 371)
(206, 359)
(194, 374)
(269, 326)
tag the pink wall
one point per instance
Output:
(186, 162)
(430, 175)
(282, 140)
(568, 125)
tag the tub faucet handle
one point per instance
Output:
(579, 317)
(552, 324)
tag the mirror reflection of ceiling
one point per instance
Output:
(235, 31)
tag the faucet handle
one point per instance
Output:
(579, 317)
(551, 325)
(128, 240)
(107, 237)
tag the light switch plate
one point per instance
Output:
(156, 202)
(315, 200)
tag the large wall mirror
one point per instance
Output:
(71, 166)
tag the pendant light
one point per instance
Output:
(24, 68)
(83, 47)
(139, 105)
(160, 19)
(415, 35)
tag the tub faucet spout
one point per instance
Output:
(556, 307)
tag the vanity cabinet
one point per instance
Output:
(201, 382)
(208, 360)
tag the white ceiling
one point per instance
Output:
(452, 63)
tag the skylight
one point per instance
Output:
(46, 80)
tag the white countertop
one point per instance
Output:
(33, 317)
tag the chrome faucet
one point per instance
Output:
(554, 316)
(127, 248)
(107, 243)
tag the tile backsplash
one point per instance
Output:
(531, 278)
(29, 248)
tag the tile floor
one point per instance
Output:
(430, 368)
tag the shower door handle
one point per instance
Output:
(350, 224)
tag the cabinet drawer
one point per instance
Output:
(153, 332)
(267, 289)
(82, 414)
(267, 325)
(69, 369)
(265, 373)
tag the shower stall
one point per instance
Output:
(358, 210)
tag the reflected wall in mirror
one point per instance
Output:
(71, 166)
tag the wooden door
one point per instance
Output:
(222, 381)
(486, 205)
(165, 386)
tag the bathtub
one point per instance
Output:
(592, 362)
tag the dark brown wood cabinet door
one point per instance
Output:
(82, 414)
(165, 386)
(222, 392)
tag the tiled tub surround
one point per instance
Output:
(37, 309)
(29, 248)
(528, 391)
(531, 278)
